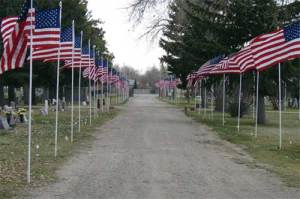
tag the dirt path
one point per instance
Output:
(152, 151)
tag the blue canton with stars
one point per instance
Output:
(91, 54)
(292, 31)
(67, 35)
(77, 42)
(85, 50)
(47, 19)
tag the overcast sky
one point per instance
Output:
(122, 39)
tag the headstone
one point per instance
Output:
(4, 124)
(12, 121)
(45, 109)
(13, 105)
(63, 105)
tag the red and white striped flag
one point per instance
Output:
(15, 39)
(276, 47)
(47, 29)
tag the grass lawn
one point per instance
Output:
(264, 149)
(13, 148)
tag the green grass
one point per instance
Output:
(264, 149)
(13, 148)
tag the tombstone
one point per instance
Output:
(63, 105)
(12, 121)
(4, 124)
(13, 105)
(45, 109)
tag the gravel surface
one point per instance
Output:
(153, 151)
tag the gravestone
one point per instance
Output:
(4, 124)
(45, 109)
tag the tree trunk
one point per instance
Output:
(26, 94)
(219, 98)
(34, 102)
(11, 94)
(2, 100)
(261, 110)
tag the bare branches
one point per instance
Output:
(150, 12)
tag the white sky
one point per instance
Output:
(123, 41)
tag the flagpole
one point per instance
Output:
(79, 86)
(30, 99)
(195, 93)
(205, 101)
(299, 100)
(90, 89)
(110, 84)
(72, 112)
(256, 102)
(57, 88)
(97, 100)
(224, 95)
(253, 95)
(200, 96)
(285, 97)
(239, 110)
(280, 106)
(102, 63)
(212, 102)
(94, 53)
(107, 106)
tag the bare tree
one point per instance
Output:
(152, 12)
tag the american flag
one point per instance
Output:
(15, 38)
(190, 78)
(100, 68)
(206, 68)
(276, 47)
(65, 49)
(85, 57)
(46, 33)
(77, 55)
(90, 73)
(235, 63)
(7, 27)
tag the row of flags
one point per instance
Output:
(42, 31)
(259, 54)
(168, 83)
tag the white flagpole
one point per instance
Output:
(224, 95)
(285, 97)
(254, 95)
(212, 102)
(299, 100)
(95, 108)
(195, 93)
(30, 99)
(200, 95)
(280, 106)
(256, 102)
(102, 109)
(57, 89)
(240, 96)
(107, 106)
(205, 101)
(72, 111)
(110, 88)
(90, 89)
(79, 86)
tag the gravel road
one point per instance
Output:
(153, 151)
